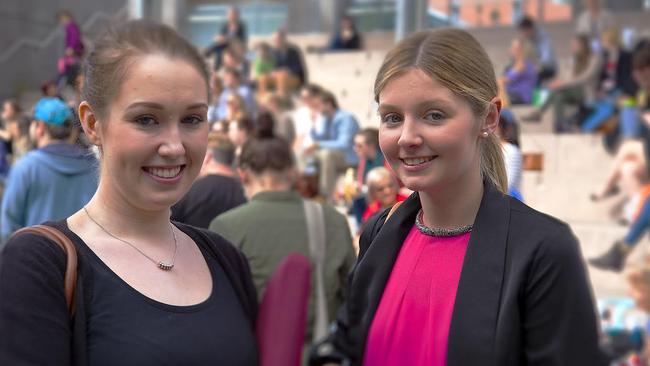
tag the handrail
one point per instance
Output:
(39, 44)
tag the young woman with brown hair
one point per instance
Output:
(149, 291)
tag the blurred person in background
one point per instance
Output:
(383, 191)
(579, 90)
(273, 223)
(332, 142)
(217, 188)
(508, 132)
(216, 88)
(290, 72)
(280, 108)
(70, 64)
(263, 66)
(617, 89)
(520, 78)
(53, 181)
(593, 21)
(304, 117)
(235, 110)
(545, 54)
(232, 85)
(16, 129)
(239, 131)
(233, 30)
(234, 57)
(347, 37)
(366, 146)
(631, 173)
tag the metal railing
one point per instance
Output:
(57, 33)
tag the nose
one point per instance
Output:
(172, 146)
(410, 135)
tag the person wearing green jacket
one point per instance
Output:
(273, 223)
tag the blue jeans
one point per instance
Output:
(639, 226)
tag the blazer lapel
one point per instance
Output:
(474, 319)
(375, 267)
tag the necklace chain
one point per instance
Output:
(440, 231)
(160, 264)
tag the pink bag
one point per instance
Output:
(282, 316)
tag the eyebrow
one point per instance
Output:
(161, 107)
(426, 104)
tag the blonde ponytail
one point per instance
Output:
(493, 168)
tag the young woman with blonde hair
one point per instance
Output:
(459, 274)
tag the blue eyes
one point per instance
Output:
(391, 118)
(193, 120)
(434, 116)
(395, 118)
(147, 120)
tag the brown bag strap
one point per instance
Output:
(70, 279)
(392, 210)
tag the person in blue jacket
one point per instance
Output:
(54, 180)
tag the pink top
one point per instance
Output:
(411, 326)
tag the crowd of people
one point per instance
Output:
(169, 183)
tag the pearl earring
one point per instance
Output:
(485, 134)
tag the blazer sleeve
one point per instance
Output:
(559, 320)
(34, 319)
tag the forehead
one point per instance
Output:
(383, 180)
(415, 87)
(162, 78)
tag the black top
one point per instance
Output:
(208, 197)
(148, 332)
(523, 297)
(114, 324)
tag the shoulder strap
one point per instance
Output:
(57, 237)
(392, 210)
(316, 234)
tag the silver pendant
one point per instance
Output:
(165, 266)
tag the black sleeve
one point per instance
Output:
(560, 322)
(34, 320)
(370, 229)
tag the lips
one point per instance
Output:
(164, 172)
(417, 160)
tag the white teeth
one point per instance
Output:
(164, 173)
(417, 161)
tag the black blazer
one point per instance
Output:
(523, 297)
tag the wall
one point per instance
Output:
(36, 21)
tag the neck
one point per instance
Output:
(214, 168)
(453, 205)
(125, 220)
(266, 183)
(46, 140)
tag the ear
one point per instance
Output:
(491, 121)
(90, 123)
(38, 128)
